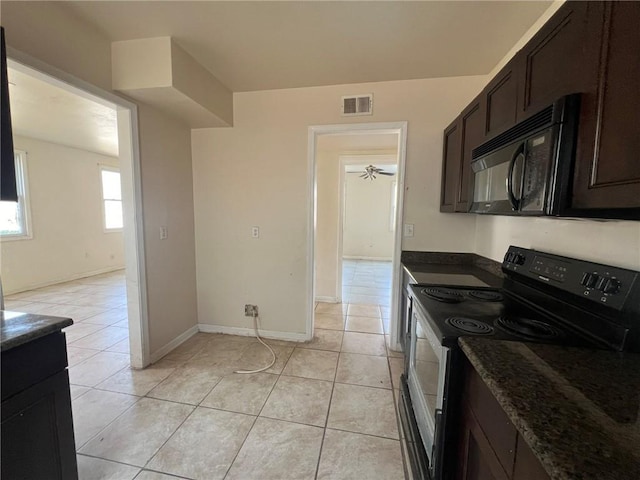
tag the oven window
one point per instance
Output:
(427, 367)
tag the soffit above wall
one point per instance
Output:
(158, 72)
(271, 45)
(47, 112)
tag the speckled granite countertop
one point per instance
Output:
(451, 265)
(578, 409)
(19, 328)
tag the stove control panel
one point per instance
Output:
(602, 284)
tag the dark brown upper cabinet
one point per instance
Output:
(556, 61)
(450, 167)
(464, 134)
(472, 124)
(589, 48)
(500, 100)
(607, 170)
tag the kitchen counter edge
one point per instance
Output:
(571, 436)
(18, 328)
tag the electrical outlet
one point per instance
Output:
(255, 232)
(164, 232)
(250, 310)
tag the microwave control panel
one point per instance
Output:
(602, 284)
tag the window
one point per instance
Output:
(112, 198)
(14, 217)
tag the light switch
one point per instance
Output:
(164, 232)
(255, 232)
(408, 229)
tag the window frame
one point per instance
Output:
(24, 205)
(103, 199)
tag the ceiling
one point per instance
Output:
(265, 45)
(46, 112)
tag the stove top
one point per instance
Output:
(545, 298)
(454, 312)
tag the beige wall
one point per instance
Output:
(46, 31)
(327, 223)
(68, 239)
(167, 195)
(367, 230)
(612, 242)
(257, 174)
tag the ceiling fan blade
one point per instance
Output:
(387, 173)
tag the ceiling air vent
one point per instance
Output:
(357, 105)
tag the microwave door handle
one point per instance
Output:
(515, 203)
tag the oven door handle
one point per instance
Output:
(515, 203)
(436, 449)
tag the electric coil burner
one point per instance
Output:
(445, 295)
(529, 328)
(486, 295)
(469, 325)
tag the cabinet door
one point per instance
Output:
(500, 98)
(477, 460)
(450, 167)
(527, 466)
(37, 432)
(607, 172)
(555, 62)
(472, 133)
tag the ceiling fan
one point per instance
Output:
(370, 172)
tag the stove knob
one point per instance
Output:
(600, 283)
(519, 259)
(612, 286)
(589, 280)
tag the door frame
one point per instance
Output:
(133, 228)
(399, 128)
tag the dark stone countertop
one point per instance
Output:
(19, 328)
(578, 409)
(450, 265)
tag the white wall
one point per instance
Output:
(257, 174)
(68, 239)
(49, 33)
(611, 242)
(367, 217)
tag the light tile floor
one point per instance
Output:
(325, 410)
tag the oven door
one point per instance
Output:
(429, 362)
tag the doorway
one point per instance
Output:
(336, 153)
(133, 281)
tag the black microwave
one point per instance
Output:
(527, 170)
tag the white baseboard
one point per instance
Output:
(175, 343)
(373, 259)
(327, 299)
(68, 278)
(249, 332)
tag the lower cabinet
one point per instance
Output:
(37, 425)
(490, 447)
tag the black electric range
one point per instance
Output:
(545, 298)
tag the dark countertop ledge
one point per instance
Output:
(18, 328)
(578, 409)
(453, 264)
